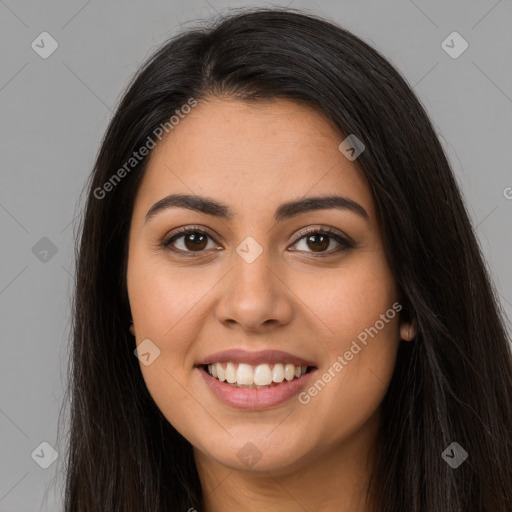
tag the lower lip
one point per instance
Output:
(255, 398)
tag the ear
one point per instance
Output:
(132, 329)
(408, 331)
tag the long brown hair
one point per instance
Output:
(453, 383)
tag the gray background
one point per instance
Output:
(54, 114)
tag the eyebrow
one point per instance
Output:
(285, 211)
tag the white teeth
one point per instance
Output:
(221, 373)
(246, 376)
(289, 372)
(263, 375)
(278, 373)
(231, 373)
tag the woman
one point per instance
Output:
(273, 230)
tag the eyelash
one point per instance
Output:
(181, 232)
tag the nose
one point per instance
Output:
(255, 297)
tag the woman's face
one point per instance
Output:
(256, 281)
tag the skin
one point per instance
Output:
(254, 157)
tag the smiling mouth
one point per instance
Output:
(261, 376)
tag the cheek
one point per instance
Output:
(162, 299)
(360, 308)
(350, 387)
(166, 306)
(161, 304)
(367, 325)
(351, 298)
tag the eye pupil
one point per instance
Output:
(195, 238)
(320, 245)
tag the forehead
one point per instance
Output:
(253, 156)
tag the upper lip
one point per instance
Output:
(255, 358)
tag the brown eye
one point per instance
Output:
(195, 241)
(318, 241)
(188, 240)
